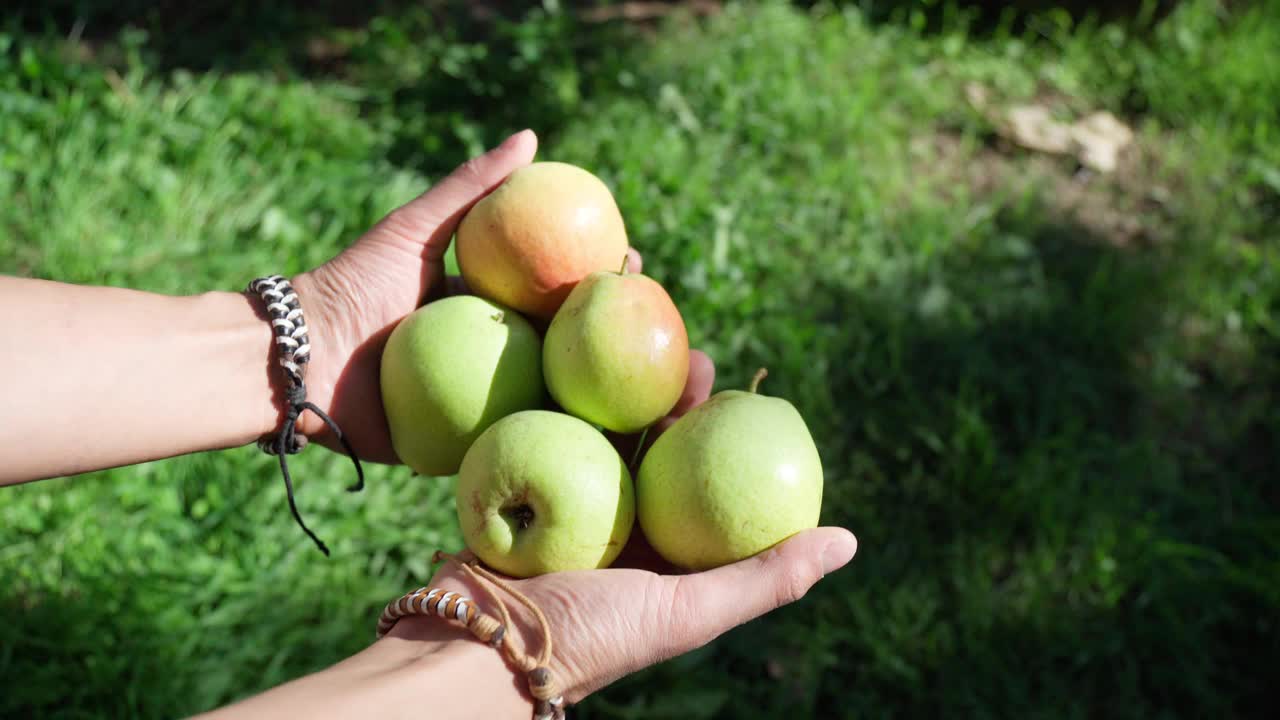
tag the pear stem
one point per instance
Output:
(626, 260)
(635, 456)
(761, 374)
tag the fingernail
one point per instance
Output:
(838, 553)
(514, 138)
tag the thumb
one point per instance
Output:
(439, 209)
(710, 603)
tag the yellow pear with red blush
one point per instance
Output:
(617, 351)
(546, 227)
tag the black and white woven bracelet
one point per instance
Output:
(294, 347)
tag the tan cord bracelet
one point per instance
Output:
(453, 606)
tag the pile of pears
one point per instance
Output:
(513, 387)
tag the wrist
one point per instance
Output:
(424, 667)
(238, 328)
(315, 304)
(457, 670)
(524, 643)
(324, 312)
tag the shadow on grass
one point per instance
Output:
(111, 652)
(1055, 502)
(1018, 16)
(1040, 533)
(231, 35)
(444, 78)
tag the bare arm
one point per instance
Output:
(605, 623)
(97, 377)
(424, 668)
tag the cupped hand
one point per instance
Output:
(606, 624)
(355, 300)
(609, 623)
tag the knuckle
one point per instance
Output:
(402, 225)
(471, 171)
(399, 220)
(793, 584)
(680, 620)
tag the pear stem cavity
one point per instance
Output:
(499, 316)
(522, 514)
(761, 374)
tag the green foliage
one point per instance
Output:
(1201, 67)
(125, 178)
(1054, 436)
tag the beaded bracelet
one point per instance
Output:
(293, 342)
(454, 607)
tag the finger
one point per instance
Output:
(697, 388)
(709, 603)
(431, 218)
(635, 263)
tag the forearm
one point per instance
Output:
(97, 377)
(423, 668)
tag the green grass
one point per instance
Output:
(1048, 405)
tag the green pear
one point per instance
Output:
(542, 492)
(451, 369)
(731, 478)
(617, 353)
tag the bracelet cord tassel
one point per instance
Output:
(290, 332)
(549, 703)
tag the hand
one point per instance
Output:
(608, 623)
(355, 300)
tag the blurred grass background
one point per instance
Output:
(1046, 399)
